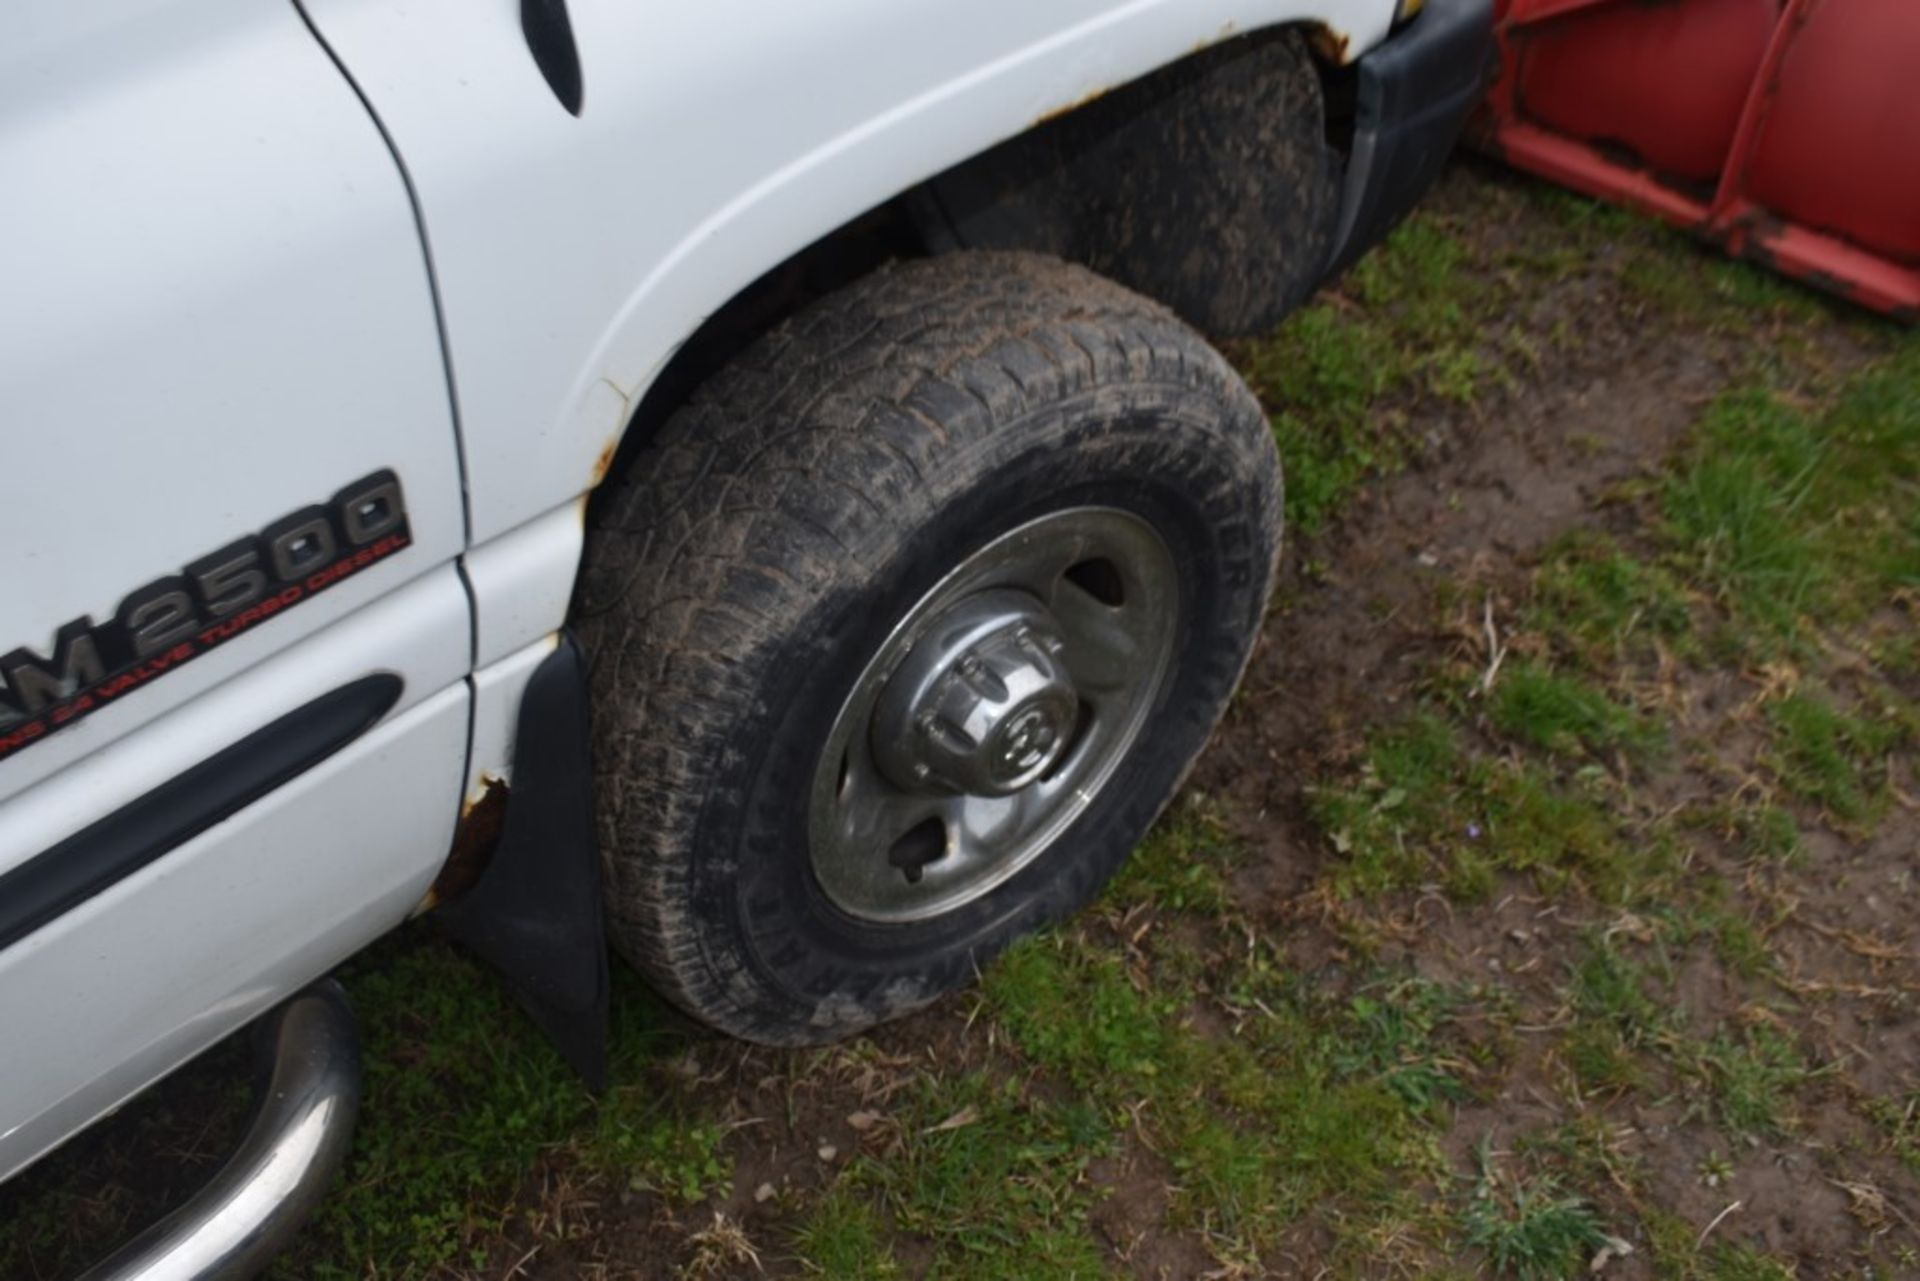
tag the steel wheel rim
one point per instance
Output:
(1088, 595)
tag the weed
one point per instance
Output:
(1751, 1078)
(1530, 1229)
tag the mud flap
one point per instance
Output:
(1414, 95)
(535, 912)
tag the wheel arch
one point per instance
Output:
(649, 372)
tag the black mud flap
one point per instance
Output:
(1413, 97)
(535, 911)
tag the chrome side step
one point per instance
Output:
(299, 1136)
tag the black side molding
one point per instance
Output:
(549, 33)
(534, 912)
(59, 879)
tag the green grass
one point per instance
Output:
(1751, 1078)
(1333, 373)
(1679, 1255)
(1742, 513)
(843, 1235)
(1831, 758)
(1304, 1106)
(1423, 809)
(1183, 864)
(1898, 1119)
(1616, 1020)
(1389, 1032)
(1603, 605)
(1566, 715)
(993, 1179)
(463, 1096)
(1736, 940)
(1665, 271)
(1796, 519)
(1767, 832)
(1530, 1228)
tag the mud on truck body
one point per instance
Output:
(739, 481)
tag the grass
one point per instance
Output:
(443, 1042)
(1831, 758)
(844, 1235)
(993, 1179)
(1183, 864)
(1898, 1120)
(1305, 1106)
(1565, 715)
(1530, 1228)
(1615, 1018)
(1682, 1257)
(1334, 375)
(1742, 510)
(1424, 808)
(1603, 605)
(1796, 519)
(1751, 1077)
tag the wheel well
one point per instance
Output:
(837, 259)
(912, 224)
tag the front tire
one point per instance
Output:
(977, 538)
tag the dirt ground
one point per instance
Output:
(1545, 905)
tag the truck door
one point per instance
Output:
(229, 491)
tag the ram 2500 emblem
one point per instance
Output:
(177, 617)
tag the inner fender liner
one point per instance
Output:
(1209, 186)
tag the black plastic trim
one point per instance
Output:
(534, 914)
(1414, 95)
(549, 33)
(60, 878)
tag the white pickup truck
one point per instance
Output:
(740, 480)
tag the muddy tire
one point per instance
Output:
(1209, 186)
(985, 494)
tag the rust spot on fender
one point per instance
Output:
(1226, 32)
(482, 816)
(603, 462)
(1335, 46)
(1068, 108)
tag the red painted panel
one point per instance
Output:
(1778, 129)
(1664, 81)
(1839, 145)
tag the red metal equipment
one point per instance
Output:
(1787, 131)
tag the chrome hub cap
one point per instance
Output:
(982, 705)
(993, 713)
